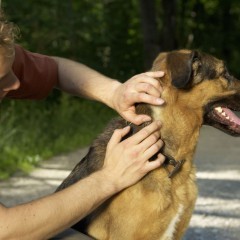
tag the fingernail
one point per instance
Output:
(160, 101)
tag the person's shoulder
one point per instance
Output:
(19, 50)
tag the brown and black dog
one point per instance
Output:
(197, 90)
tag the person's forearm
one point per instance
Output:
(48, 216)
(80, 80)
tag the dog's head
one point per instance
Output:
(199, 85)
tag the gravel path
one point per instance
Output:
(217, 212)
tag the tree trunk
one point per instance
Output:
(226, 21)
(169, 25)
(150, 31)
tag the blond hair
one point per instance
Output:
(8, 33)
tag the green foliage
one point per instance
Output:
(39, 130)
(212, 26)
(107, 36)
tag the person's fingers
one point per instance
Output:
(153, 149)
(146, 98)
(146, 78)
(149, 141)
(117, 136)
(155, 74)
(136, 119)
(151, 165)
(144, 133)
(148, 88)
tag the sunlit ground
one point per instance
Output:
(217, 211)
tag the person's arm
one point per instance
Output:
(45, 217)
(80, 80)
(125, 163)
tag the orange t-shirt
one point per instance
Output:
(38, 75)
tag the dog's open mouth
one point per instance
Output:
(227, 117)
(223, 118)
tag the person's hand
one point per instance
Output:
(140, 88)
(127, 161)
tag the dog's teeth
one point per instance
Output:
(224, 114)
(227, 117)
(219, 109)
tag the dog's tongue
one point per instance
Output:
(232, 115)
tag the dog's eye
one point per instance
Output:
(197, 64)
(195, 59)
(227, 76)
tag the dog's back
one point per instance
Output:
(94, 159)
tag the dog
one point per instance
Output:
(197, 89)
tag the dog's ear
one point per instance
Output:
(183, 66)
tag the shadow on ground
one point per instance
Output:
(217, 212)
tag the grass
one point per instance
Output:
(33, 131)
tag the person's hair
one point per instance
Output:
(8, 32)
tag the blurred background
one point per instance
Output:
(116, 37)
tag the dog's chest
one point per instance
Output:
(169, 233)
(170, 200)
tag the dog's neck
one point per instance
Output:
(169, 160)
(175, 140)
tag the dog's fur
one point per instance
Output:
(159, 207)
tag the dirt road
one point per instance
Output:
(217, 212)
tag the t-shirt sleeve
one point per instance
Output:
(38, 75)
